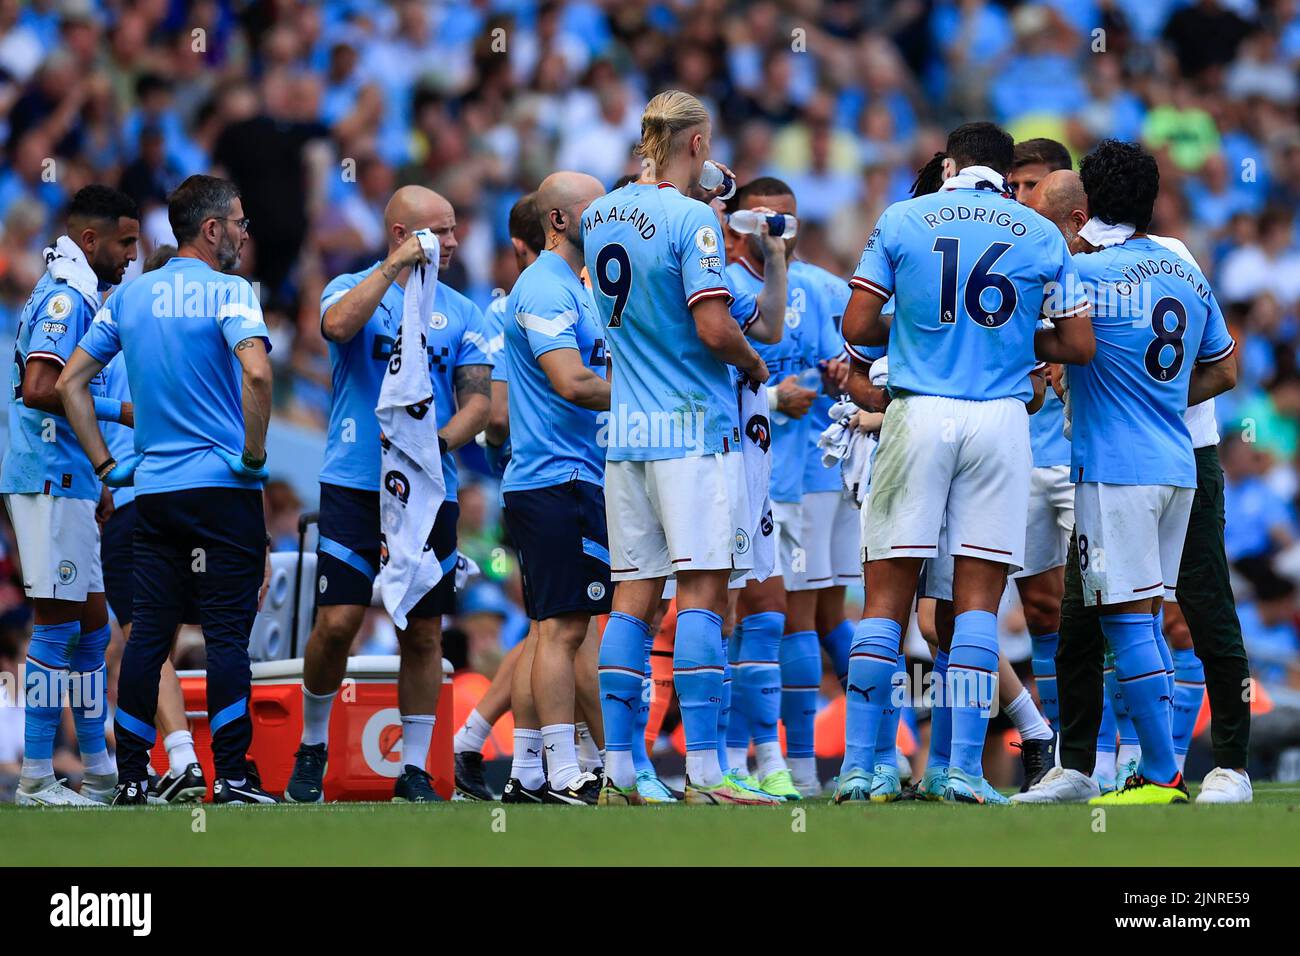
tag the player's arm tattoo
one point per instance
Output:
(247, 343)
(473, 380)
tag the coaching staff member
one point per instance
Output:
(195, 349)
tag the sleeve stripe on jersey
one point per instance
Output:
(249, 316)
(1218, 356)
(708, 294)
(52, 356)
(753, 317)
(1067, 313)
(860, 356)
(544, 326)
(868, 286)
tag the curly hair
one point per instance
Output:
(1121, 180)
(929, 178)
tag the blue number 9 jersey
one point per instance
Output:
(971, 271)
(652, 253)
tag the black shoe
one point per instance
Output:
(188, 786)
(1037, 757)
(132, 793)
(246, 791)
(307, 782)
(516, 792)
(583, 792)
(470, 784)
(414, 786)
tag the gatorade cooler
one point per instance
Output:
(365, 728)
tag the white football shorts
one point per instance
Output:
(677, 514)
(1130, 540)
(1051, 519)
(58, 545)
(831, 537)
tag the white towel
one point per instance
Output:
(756, 446)
(976, 177)
(411, 486)
(1104, 234)
(65, 261)
(834, 441)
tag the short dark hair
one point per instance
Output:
(200, 197)
(102, 202)
(526, 223)
(1049, 152)
(1121, 180)
(159, 257)
(981, 144)
(929, 178)
(761, 186)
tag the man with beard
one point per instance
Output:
(195, 348)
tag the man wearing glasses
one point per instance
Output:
(195, 349)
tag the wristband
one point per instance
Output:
(105, 467)
(108, 409)
(252, 464)
(773, 399)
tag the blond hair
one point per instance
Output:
(665, 116)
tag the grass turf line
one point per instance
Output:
(1266, 832)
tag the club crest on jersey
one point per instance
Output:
(595, 590)
(706, 240)
(67, 572)
(59, 306)
(324, 584)
(742, 541)
(437, 321)
(397, 485)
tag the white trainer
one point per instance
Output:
(99, 787)
(1225, 786)
(50, 792)
(1060, 786)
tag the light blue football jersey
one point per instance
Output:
(552, 440)
(120, 438)
(652, 253)
(457, 336)
(44, 456)
(798, 351)
(177, 328)
(817, 476)
(972, 271)
(494, 318)
(1154, 315)
(1047, 438)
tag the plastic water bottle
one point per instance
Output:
(811, 378)
(712, 176)
(745, 222)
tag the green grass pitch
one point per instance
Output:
(1264, 833)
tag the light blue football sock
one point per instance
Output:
(838, 643)
(697, 675)
(1141, 676)
(1189, 692)
(940, 716)
(737, 722)
(621, 669)
(724, 710)
(758, 675)
(44, 684)
(872, 663)
(887, 735)
(90, 702)
(1043, 664)
(1128, 736)
(1166, 655)
(972, 674)
(641, 759)
(801, 677)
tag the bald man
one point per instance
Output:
(554, 492)
(361, 315)
(1059, 197)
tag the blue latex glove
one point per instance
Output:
(236, 464)
(122, 474)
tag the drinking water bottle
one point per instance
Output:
(745, 222)
(712, 176)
